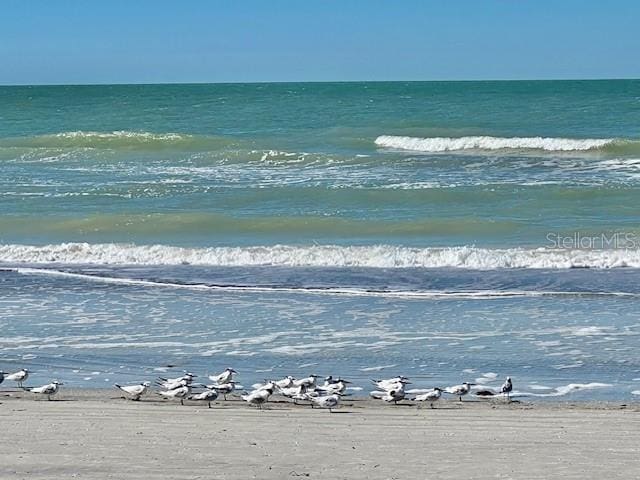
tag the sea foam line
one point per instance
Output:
(335, 291)
(372, 256)
(445, 144)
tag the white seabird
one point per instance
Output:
(506, 388)
(49, 389)
(20, 376)
(308, 382)
(431, 396)
(258, 397)
(224, 377)
(327, 401)
(391, 383)
(393, 395)
(172, 383)
(181, 392)
(134, 391)
(206, 396)
(225, 388)
(338, 386)
(286, 382)
(460, 390)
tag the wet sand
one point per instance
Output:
(95, 435)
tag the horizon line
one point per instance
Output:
(264, 82)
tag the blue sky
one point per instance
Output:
(156, 41)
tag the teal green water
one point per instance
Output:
(354, 229)
(202, 165)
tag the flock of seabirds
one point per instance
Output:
(307, 390)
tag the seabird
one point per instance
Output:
(134, 391)
(206, 396)
(327, 401)
(49, 390)
(391, 383)
(308, 382)
(258, 397)
(507, 386)
(286, 382)
(20, 376)
(431, 396)
(224, 389)
(172, 383)
(181, 392)
(460, 390)
(338, 386)
(224, 377)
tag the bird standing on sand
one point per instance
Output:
(506, 388)
(327, 401)
(134, 391)
(172, 383)
(224, 377)
(286, 382)
(258, 397)
(49, 389)
(337, 386)
(224, 389)
(430, 396)
(209, 395)
(308, 382)
(20, 376)
(390, 383)
(460, 390)
(181, 392)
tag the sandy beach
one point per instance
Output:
(95, 434)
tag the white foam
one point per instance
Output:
(374, 256)
(566, 389)
(446, 144)
(122, 134)
(635, 392)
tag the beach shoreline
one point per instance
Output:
(94, 433)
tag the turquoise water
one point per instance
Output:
(439, 205)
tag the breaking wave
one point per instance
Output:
(378, 256)
(446, 144)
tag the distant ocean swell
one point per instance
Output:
(380, 256)
(197, 142)
(479, 143)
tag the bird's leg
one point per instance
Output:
(209, 404)
(181, 401)
(431, 405)
(460, 397)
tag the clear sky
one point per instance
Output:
(157, 41)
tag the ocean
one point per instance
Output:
(447, 231)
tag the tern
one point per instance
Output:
(134, 391)
(393, 394)
(224, 377)
(337, 386)
(286, 382)
(172, 383)
(391, 383)
(49, 389)
(460, 390)
(258, 397)
(224, 389)
(181, 392)
(20, 376)
(431, 396)
(328, 401)
(206, 396)
(308, 382)
(506, 388)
